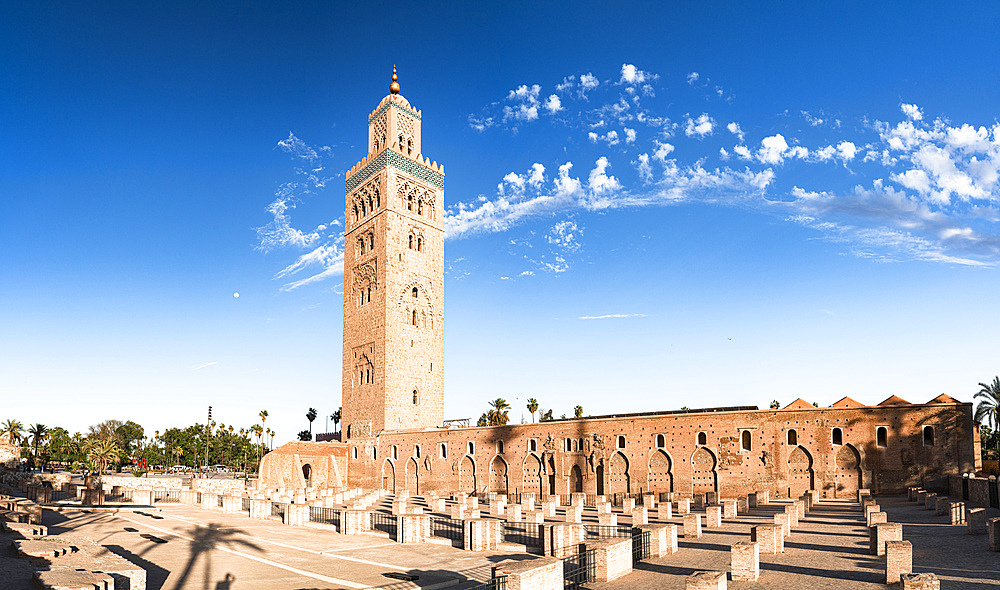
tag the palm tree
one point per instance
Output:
(311, 415)
(38, 433)
(258, 430)
(336, 416)
(988, 410)
(532, 407)
(578, 412)
(498, 414)
(13, 429)
(270, 433)
(263, 416)
(103, 452)
(177, 452)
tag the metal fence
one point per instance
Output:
(123, 495)
(640, 546)
(448, 528)
(325, 515)
(166, 496)
(578, 569)
(522, 533)
(278, 509)
(218, 500)
(993, 485)
(604, 531)
(58, 495)
(246, 504)
(380, 521)
(619, 499)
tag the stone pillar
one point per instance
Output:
(536, 516)
(711, 498)
(793, 516)
(698, 501)
(528, 503)
(93, 497)
(549, 508)
(956, 512)
(929, 501)
(607, 519)
(354, 522)
(189, 497)
(612, 557)
(920, 582)
(898, 560)
(976, 518)
(763, 498)
(745, 561)
(296, 514)
(559, 536)
(911, 493)
(800, 510)
(260, 509)
(628, 505)
(683, 506)
(993, 533)
(713, 517)
(781, 519)
(142, 497)
(729, 509)
(863, 492)
(539, 573)
(499, 509)
(752, 500)
(941, 506)
(706, 581)
(574, 514)
(578, 499)
(412, 528)
(482, 534)
(742, 505)
(881, 534)
(232, 504)
(692, 526)
(662, 539)
(640, 516)
(921, 495)
(649, 501)
(769, 537)
(664, 511)
(513, 513)
(209, 501)
(875, 518)
(439, 505)
(460, 512)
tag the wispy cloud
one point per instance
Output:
(612, 316)
(204, 365)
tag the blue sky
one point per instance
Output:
(649, 205)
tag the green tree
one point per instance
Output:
(305, 435)
(484, 420)
(103, 452)
(988, 409)
(336, 417)
(532, 407)
(775, 405)
(578, 412)
(14, 430)
(37, 433)
(105, 430)
(546, 416)
(310, 415)
(497, 415)
(129, 435)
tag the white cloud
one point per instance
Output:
(847, 150)
(915, 180)
(204, 365)
(735, 129)
(693, 77)
(911, 111)
(629, 135)
(297, 148)
(663, 150)
(772, 149)
(645, 170)
(612, 316)
(701, 126)
(633, 75)
(565, 235)
(553, 104)
(588, 82)
(743, 152)
(599, 182)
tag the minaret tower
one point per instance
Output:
(393, 278)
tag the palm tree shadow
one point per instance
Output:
(204, 540)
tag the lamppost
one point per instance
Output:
(208, 434)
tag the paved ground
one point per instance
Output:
(210, 550)
(829, 550)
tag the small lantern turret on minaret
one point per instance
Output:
(394, 87)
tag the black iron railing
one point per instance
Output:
(246, 504)
(578, 569)
(448, 528)
(380, 521)
(166, 496)
(522, 533)
(278, 509)
(497, 583)
(640, 546)
(604, 531)
(122, 495)
(325, 515)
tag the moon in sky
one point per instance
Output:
(236, 295)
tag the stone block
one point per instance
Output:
(742, 505)
(142, 497)
(612, 558)
(535, 516)
(793, 516)
(941, 505)
(93, 497)
(956, 512)
(640, 516)
(706, 581)
(664, 511)
(976, 519)
(482, 534)
(354, 522)
(604, 508)
(911, 493)
(513, 513)
(260, 509)
(692, 526)
(920, 582)
(875, 518)
(528, 503)
(562, 535)
(607, 519)
(189, 497)
(745, 561)
(930, 501)
(769, 537)
(711, 498)
(412, 528)
(993, 533)
(649, 501)
(539, 573)
(662, 539)
(574, 514)
(781, 519)
(729, 509)
(882, 533)
(683, 506)
(628, 505)
(713, 517)
(438, 505)
(871, 508)
(578, 499)
(800, 510)
(698, 500)
(752, 501)
(898, 560)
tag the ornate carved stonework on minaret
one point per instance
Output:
(393, 278)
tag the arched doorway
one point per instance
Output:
(388, 476)
(575, 479)
(307, 474)
(800, 472)
(532, 474)
(498, 475)
(467, 476)
(599, 473)
(619, 480)
(412, 477)
(703, 475)
(847, 476)
(660, 478)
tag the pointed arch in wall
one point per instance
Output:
(532, 467)
(388, 476)
(467, 475)
(704, 477)
(412, 476)
(800, 472)
(660, 477)
(498, 475)
(575, 479)
(619, 480)
(847, 474)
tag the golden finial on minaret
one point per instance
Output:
(394, 87)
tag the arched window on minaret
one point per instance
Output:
(414, 317)
(411, 241)
(409, 202)
(420, 207)
(409, 146)
(371, 241)
(419, 243)
(414, 292)
(356, 213)
(401, 146)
